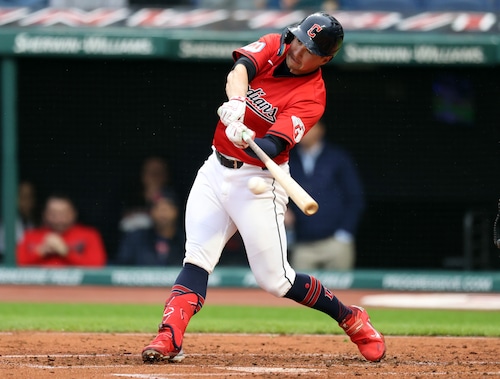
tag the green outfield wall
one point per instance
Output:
(359, 47)
(401, 280)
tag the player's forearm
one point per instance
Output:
(271, 145)
(237, 82)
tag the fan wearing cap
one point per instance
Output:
(276, 94)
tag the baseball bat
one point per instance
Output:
(299, 196)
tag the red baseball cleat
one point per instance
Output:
(163, 348)
(167, 345)
(371, 343)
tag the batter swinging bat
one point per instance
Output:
(299, 196)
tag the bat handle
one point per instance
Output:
(245, 137)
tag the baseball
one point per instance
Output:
(257, 185)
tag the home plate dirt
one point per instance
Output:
(58, 355)
(77, 355)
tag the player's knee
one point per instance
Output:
(277, 288)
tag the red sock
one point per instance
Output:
(179, 309)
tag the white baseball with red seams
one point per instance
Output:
(257, 185)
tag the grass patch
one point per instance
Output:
(127, 318)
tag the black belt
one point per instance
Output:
(229, 163)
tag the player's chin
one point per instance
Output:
(292, 64)
(298, 70)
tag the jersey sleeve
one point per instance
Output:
(296, 120)
(260, 51)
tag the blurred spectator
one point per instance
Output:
(154, 178)
(327, 5)
(162, 244)
(61, 241)
(88, 4)
(325, 240)
(231, 4)
(161, 3)
(27, 215)
(24, 3)
(330, 6)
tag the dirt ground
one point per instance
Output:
(88, 355)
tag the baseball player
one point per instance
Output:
(276, 93)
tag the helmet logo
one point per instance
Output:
(313, 30)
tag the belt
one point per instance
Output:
(226, 162)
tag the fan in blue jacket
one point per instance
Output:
(325, 240)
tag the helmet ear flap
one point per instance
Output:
(286, 38)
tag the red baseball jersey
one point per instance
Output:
(86, 248)
(280, 105)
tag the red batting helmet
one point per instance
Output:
(321, 33)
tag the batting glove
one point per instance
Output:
(232, 110)
(236, 131)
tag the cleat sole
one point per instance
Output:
(153, 356)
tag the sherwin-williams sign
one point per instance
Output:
(361, 52)
(28, 43)
(428, 53)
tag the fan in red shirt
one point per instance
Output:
(61, 241)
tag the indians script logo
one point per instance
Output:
(257, 103)
(313, 30)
